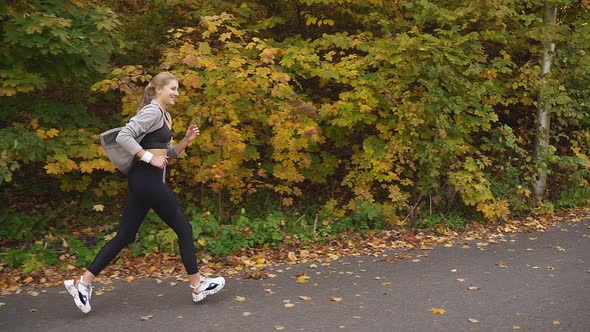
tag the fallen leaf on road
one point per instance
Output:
(473, 288)
(461, 279)
(2, 304)
(448, 245)
(387, 284)
(302, 279)
(333, 256)
(558, 248)
(148, 317)
(335, 299)
(305, 298)
(556, 322)
(519, 314)
(240, 298)
(473, 320)
(289, 305)
(278, 327)
(438, 311)
(502, 265)
(33, 293)
(482, 244)
(516, 327)
(454, 270)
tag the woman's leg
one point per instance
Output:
(168, 208)
(133, 214)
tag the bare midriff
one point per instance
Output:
(158, 152)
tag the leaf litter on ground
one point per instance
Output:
(251, 262)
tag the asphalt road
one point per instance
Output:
(526, 282)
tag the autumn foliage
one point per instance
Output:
(366, 112)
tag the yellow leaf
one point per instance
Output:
(335, 299)
(556, 322)
(52, 132)
(334, 257)
(40, 133)
(438, 311)
(98, 207)
(201, 241)
(53, 168)
(240, 298)
(448, 245)
(292, 257)
(246, 314)
(311, 20)
(289, 305)
(387, 284)
(305, 298)
(303, 279)
(35, 123)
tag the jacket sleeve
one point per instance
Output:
(137, 126)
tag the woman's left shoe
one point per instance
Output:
(80, 292)
(207, 286)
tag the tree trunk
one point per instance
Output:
(544, 109)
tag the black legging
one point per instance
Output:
(147, 190)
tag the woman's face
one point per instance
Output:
(167, 94)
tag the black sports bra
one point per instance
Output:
(157, 139)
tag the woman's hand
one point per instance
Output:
(191, 133)
(159, 161)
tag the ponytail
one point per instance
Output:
(149, 92)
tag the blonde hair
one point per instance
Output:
(149, 92)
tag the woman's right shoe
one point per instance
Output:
(207, 286)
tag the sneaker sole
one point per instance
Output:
(74, 293)
(209, 292)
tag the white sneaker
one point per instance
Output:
(207, 286)
(80, 292)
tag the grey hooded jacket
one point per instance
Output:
(122, 144)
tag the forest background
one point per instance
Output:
(317, 117)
